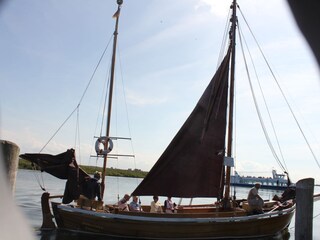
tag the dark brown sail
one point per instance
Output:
(192, 164)
(63, 166)
(57, 165)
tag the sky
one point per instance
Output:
(167, 53)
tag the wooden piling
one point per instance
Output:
(47, 223)
(304, 209)
(10, 154)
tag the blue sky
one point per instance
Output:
(168, 52)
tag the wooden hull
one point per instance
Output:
(171, 226)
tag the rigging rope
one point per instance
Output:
(314, 217)
(126, 107)
(59, 129)
(104, 104)
(296, 121)
(78, 136)
(127, 115)
(85, 91)
(235, 140)
(41, 185)
(224, 40)
(258, 110)
(102, 100)
(264, 100)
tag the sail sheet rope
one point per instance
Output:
(283, 95)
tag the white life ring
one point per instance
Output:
(103, 146)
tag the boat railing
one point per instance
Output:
(55, 196)
(172, 218)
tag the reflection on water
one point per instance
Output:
(68, 235)
(28, 198)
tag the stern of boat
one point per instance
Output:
(56, 214)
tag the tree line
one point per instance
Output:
(134, 173)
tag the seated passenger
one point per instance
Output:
(169, 205)
(122, 204)
(155, 205)
(254, 200)
(134, 206)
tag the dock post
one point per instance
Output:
(304, 209)
(10, 153)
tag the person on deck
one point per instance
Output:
(169, 205)
(134, 206)
(156, 205)
(123, 203)
(288, 194)
(91, 188)
(254, 200)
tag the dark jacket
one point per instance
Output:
(91, 189)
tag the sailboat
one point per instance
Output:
(197, 163)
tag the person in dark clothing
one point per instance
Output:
(91, 187)
(289, 193)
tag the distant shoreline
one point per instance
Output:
(134, 173)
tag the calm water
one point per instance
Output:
(28, 197)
